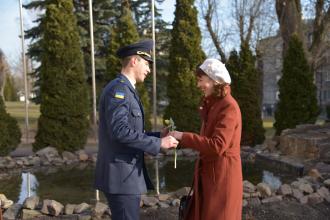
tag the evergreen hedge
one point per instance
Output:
(185, 55)
(246, 89)
(125, 33)
(10, 133)
(63, 122)
(297, 99)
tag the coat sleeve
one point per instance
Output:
(222, 135)
(153, 134)
(117, 114)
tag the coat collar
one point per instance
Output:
(125, 80)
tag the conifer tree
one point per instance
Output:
(10, 93)
(246, 90)
(10, 133)
(185, 55)
(103, 15)
(233, 67)
(297, 99)
(63, 122)
(248, 95)
(125, 33)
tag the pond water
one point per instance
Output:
(74, 184)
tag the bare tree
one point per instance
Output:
(289, 15)
(252, 20)
(210, 13)
(4, 70)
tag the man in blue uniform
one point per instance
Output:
(120, 169)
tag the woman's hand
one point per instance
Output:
(176, 134)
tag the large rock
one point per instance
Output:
(314, 198)
(47, 151)
(175, 202)
(303, 186)
(306, 142)
(68, 210)
(68, 156)
(264, 189)
(31, 202)
(272, 199)
(315, 174)
(30, 214)
(285, 189)
(52, 207)
(12, 212)
(5, 203)
(182, 192)
(327, 183)
(100, 209)
(297, 193)
(323, 192)
(163, 197)
(149, 201)
(248, 187)
(81, 208)
(82, 155)
(163, 205)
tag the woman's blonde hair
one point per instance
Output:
(219, 87)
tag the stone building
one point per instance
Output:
(270, 63)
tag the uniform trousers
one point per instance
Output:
(124, 206)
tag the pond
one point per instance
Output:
(74, 184)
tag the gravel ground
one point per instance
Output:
(285, 210)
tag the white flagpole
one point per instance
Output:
(90, 7)
(24, 75)
(154, 81)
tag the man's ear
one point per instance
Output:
(134, 60)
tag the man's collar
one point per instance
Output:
(132, 81)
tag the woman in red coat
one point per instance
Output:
(218, 171)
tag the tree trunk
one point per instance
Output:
(289, 17)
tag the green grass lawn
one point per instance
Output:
(17, 110)
(268, 125)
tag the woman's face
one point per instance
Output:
(205, 84)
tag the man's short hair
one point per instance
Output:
(125, 61)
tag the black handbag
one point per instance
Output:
(184, 205)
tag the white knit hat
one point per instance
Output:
(216, 70)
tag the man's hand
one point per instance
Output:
(176, 134)
(169, 142)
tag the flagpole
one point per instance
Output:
(24, 74)
(154, 81)
(90, 7)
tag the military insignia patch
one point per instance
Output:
(119, 95)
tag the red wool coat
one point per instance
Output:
(218, 172)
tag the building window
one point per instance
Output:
(277, 63)
(328, 94)
(324, 95)
(327, 78)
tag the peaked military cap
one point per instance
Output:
(142, 48)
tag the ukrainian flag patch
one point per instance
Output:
(119, 95)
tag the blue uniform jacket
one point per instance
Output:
(120, 167)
